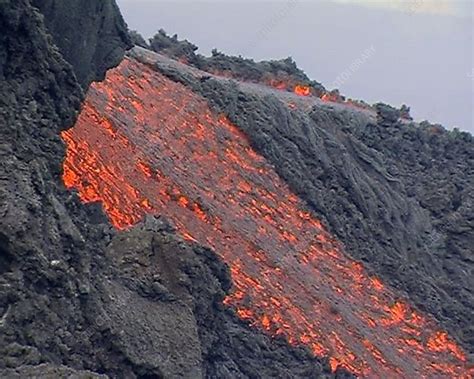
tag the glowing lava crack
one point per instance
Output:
(145, 144)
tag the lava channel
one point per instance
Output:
(145, 144)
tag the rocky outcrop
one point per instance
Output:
(436, 170)
(386, 115)
(78, 299)
(282, 74)
(138, 40)
(91, 35)
(45, 257)
(181, 288)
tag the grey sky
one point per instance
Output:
(423, 48)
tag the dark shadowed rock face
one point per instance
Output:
(76, 298)
(91, 35)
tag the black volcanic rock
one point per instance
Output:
(138, 40)
(386, 115)
(91, 35)
(175, 48)
(183, 286)
(49, 371)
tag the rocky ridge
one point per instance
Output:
(283, 73)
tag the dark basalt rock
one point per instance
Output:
(91, 35)
(138, 40)
(48, 371)
(183, 286)
(387, 115)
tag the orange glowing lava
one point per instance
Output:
(145, 144)
(302, 90)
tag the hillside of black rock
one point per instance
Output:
(78, 298)
(146, 143)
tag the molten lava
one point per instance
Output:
(145, 144)
(302, 90)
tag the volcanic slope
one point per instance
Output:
(147, 144)
(398, 194)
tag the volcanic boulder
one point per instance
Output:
(91, 35)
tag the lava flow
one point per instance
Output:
(145, 144)
(302, 90)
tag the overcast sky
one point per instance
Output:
(422, 49)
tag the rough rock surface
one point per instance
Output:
(48, 371)
(186, 285)
(283, 73)
(74, 294)
(400, 197)
(91, 35)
